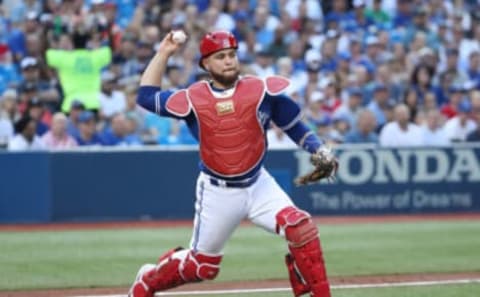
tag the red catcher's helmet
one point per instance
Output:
(216, 41)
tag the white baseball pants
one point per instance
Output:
(219, 210)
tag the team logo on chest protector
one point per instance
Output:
(224, 108)
(231, 137)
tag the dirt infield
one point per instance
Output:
(207, 286)
(350, 280)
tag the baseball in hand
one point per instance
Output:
(179, 36)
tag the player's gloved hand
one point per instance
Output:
(326, 165)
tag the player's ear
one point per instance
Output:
(206, 66)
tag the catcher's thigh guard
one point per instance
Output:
(179, 266)
(306, 265)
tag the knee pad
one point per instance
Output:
(198, 266)
(297, 225)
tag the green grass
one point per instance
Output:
(111, 257)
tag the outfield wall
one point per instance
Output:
(159, 183)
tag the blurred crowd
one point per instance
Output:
(391, 72)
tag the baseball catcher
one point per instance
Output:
(229, 115)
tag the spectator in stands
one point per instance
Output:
(79, 70)
(359, 17)
(411, 100)
(112, 101)
(9, 105)
(36, 110)
(324, 129)
(430, 102)
(383, 75)
(135, 110)
(298, 78)
(8, 73)
(360, 78)
(263, 65)
(25, 137)
(178, 135)
(421, 81)
(374, 55)
(312, 60)
(124, 61)
(6, 126)
(474, 136)
(351, 108)
(174, 77)
(298, 10)
(264, 24)
(420, 24)
(156, 128)
(340, 127)
(451, 67)
(57, 137)
(377, 14)
(380, 104)
(473, 69)
(45, 91)
(400, 132)
(328, 87)
(144, 52)
(87, 130)
(432, 129)
(76, 108)
(398, 64)
(364, 129)
(403, 14)
(119, 133)
(449, 109)
(457, 128)
(313, 110)
(279, 46)
(328, 53)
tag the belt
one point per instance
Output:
(234, 184)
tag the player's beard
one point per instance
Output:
(225, 80)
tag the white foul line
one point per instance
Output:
(335, 287)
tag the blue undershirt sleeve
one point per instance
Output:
(153, 99)
(304, 137)
(286, 114)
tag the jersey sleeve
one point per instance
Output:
(286, 114)
(154, 99)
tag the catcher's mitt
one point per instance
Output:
(325, 165)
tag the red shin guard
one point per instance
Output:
(166, 274)
(304, 245)
(177, 267)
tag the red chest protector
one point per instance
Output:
(232, 140)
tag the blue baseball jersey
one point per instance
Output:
(280, 109)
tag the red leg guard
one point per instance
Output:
(304, 245)
(166, 274)
(198, 267)
(299, 286)
(175, 268)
